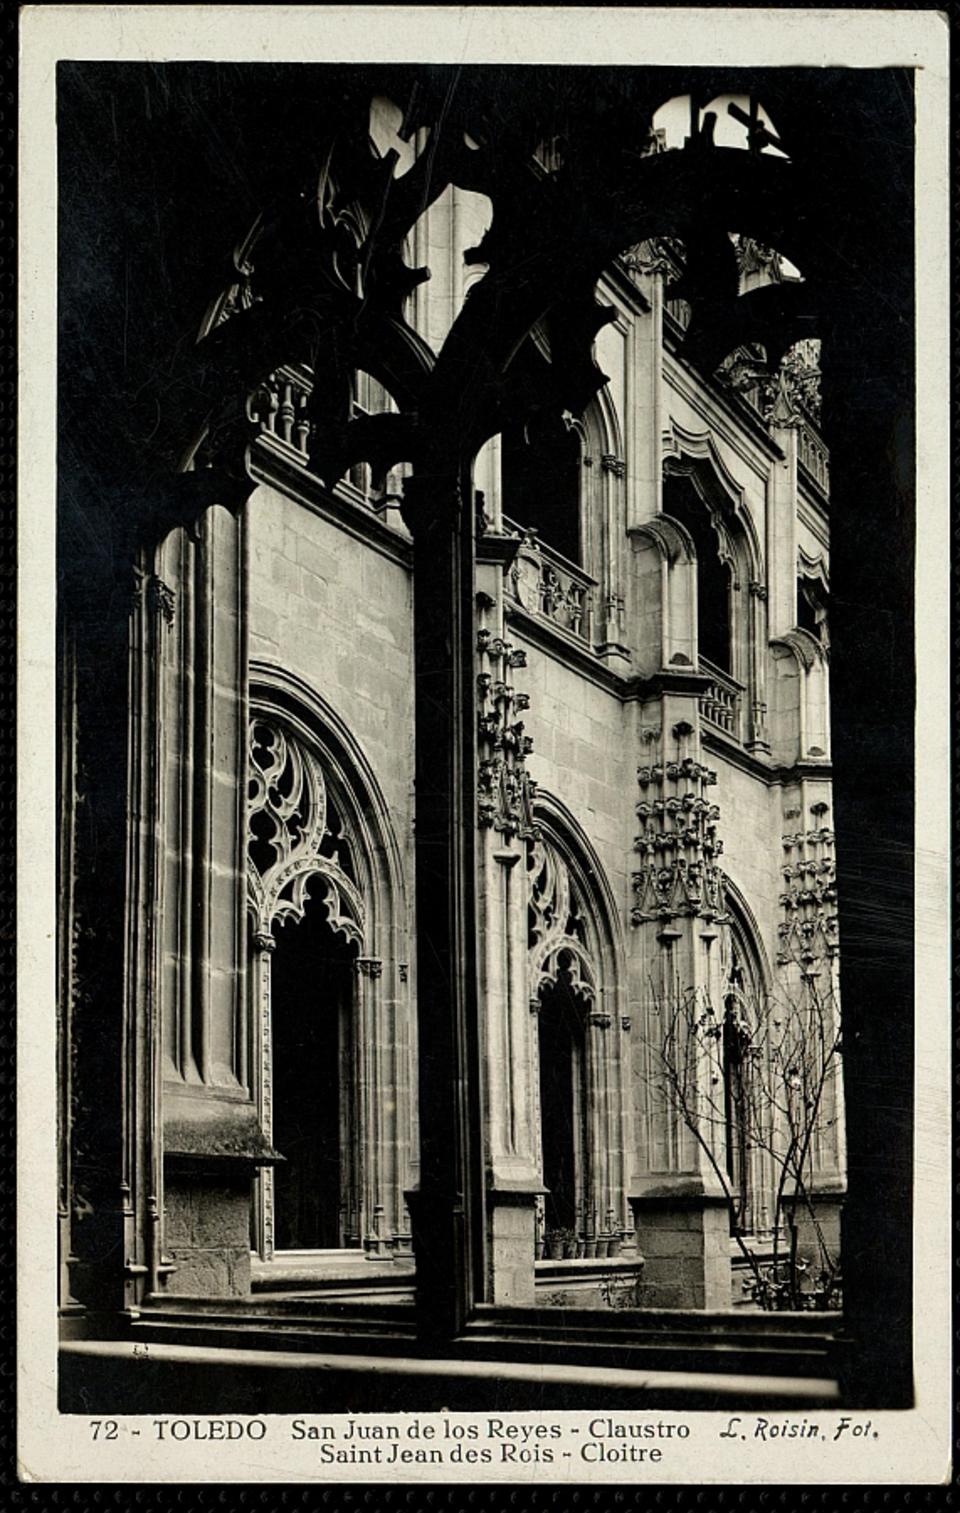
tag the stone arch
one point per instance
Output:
(276, 689)
(737, 593)
(746, 986)
(603, 514)
(665, 562)
(801, 695)
(745, 927)
(696, 455)
(575, 972)
(340, 843)
(813, 596)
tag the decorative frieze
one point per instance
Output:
(505, 790)
(679, 876)
(808, 926)
(755, 257)
(787, 398)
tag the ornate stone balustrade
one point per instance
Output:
(278, 407)
(681, 311)
(813, 455)
(548, 585)
(720, 704)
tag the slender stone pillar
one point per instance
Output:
(782, 531)
(649, 264)
(505, 817)
(448, 1243)
(212, 1135)
(677, 1198)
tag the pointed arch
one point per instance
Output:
(320, 833)
(731, 590)
(745, 929)
(576, 986)
(695, 454)
(602, 426)
(601, 948)
(747, 983)
(277, 692)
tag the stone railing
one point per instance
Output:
(278, 406)
(813, 455)
(720, 704)
(680, 310)
(548, 585)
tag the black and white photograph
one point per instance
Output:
(489, 943)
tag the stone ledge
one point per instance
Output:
(588, 1266)
(220, 1374)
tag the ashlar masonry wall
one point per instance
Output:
(337, 610)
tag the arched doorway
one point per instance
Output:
(331, 1067)
(563, 1103)
(748, 1104)
(314, 1053)
(579, 1043)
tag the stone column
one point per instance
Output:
(375, 1133)
(107, 1195)
(67, 925)
(757, 737)
(782, 529)
(643, 418)
(212, 1135)
(264, 944)
(612, 585)
(447, 1243)
(677, 1197)
(505, 818)
(808, 985)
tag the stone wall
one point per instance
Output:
(337, 611)
(207, 1235)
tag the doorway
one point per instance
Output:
(316, 1192)
(562, 1105)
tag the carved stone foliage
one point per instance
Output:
(756, 257)
(808, 925)
(678, 843)
(788, 395)
(159, 598)
(239, 294)
(659, 254)
(296, 837)
(558, 926)
(505, 790)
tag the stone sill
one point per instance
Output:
(583, 1267)
(307, 1268)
